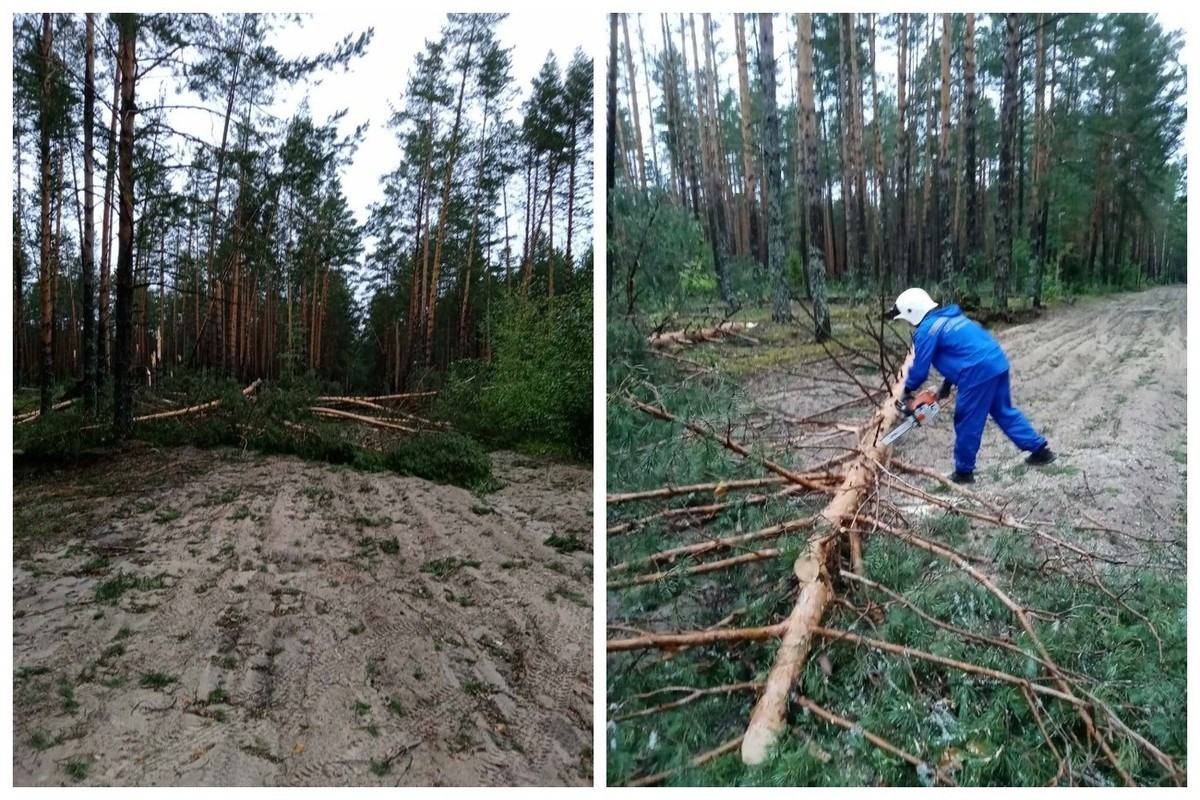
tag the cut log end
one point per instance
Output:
(757, 743)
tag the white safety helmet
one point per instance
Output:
(912, 305)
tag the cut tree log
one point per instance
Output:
(714, 334)
(32, 415)
(767, 718)
(193, 409)
(377, 398)
(354, 401)
(378, 423)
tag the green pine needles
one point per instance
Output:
(917, 652)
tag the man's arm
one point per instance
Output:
(923, 344)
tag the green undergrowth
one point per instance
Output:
(277, 421)
(981, 731)
(534, 394)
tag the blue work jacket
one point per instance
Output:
(961, 350)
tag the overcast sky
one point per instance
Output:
(376, 82)
(381, 76)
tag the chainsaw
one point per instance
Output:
(924, 407)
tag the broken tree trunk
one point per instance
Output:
(378, 423)
(714, 334)
(193, 409)
(378, 398)
(816, 588)
(32, 415)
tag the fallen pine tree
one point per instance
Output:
(996, 636)
(714, 333)
(272, 419)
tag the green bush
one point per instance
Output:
(536, 393)
(442, 457)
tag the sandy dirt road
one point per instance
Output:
(201, 618)
(1105, 382)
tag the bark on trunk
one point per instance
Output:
(89, 228)
(45, 279)
(122, 380)
(781, 309)
(812, 570)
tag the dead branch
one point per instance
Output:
(962, 666)
(716, 544)
(840, 406)
(1019, 612)
(703, 758)
(387, 412)
(699, 513)
(729, 444)
(699, 569)
(878, 741)
(1001, 520)
(693, 694)
(354, 401)
(719, 488)
(377, 398)
(966, 634)
(1037, 717)
(678, 641)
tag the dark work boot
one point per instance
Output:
(962, 477)
(1041, 456)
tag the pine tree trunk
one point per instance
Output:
(879, 231)
(1008, 134)
(649, 109)
(812, 245)
(706, 116)
(18, 275)
(89, 227)
(672, 112)
(850, 262)
(46, 278)
(690, 133)
(466, 291)
(971, 168)
(749, 223)
(639, 164)
(900, 244)
(857, 157)
(1040, 159)
(942, 230)
(610, 161)
(451, 158)
(928, 221)
(122, 363)
(781, 309)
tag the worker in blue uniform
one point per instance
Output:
(967, 357)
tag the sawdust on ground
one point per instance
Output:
(215, 618)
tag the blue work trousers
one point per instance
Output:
(971, 411)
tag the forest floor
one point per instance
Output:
(189, 617)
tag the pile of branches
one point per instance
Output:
(381, 411)
(386, 412)
(853, 492)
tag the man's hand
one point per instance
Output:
(944, 392)
(904, 404)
